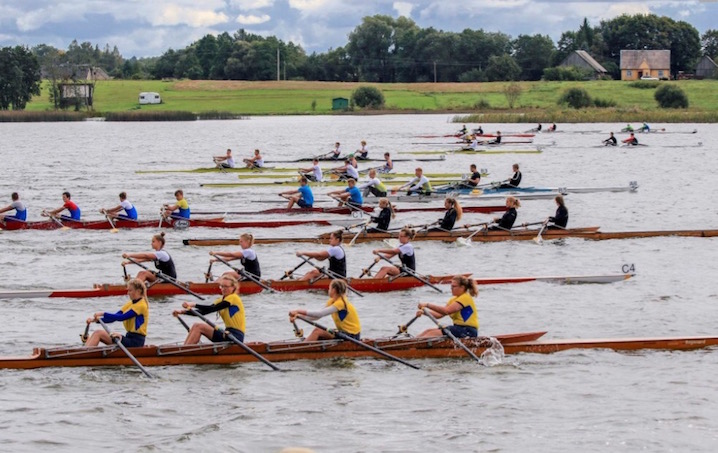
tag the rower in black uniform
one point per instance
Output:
(247, 256)
(335, 254)
(560, 219)
(515, 179)
(506, 222)
(452, 214)
(405, 252)
(384, 218)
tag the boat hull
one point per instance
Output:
(130, 224)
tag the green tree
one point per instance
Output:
(533, 54)
(502, 67)
(368, 97)
(671, 96)
(369, 48)
(709, 43)
(19, 77)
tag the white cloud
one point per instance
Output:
(631, 9)
(248, 5)
(252, 19)
(403, 8)
(175, 15)
(309, 5)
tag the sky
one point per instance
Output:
(146, 28)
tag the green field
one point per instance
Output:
(536, 103)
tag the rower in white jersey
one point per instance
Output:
(314, 173)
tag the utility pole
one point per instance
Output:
(278, 75)
(434, 71)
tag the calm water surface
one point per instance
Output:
(572, 401)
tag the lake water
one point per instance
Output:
(571, 401)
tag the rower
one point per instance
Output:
(135, 316)
(363, 152)
(463, 131)
(452, 214)
(496, 140)
(405, 252)
(130, 211)
(552, 128)
(374, 186)
(19, 207)
(474, 145)
(351, 196)
(226, 161)
(230, 309)
(560, 219)
(247, 256)
(419, 184)
(478, 131)
(461, 308)
(628, 128)
(388, 164)
(610, 141)
(515, 179)
(345, 316)
(348, 170)
(538, 128)
(70, 206)
(335, 254)
(303, 196)
(336, 152)
(474, 179)
(181, 206)
(384, 218)
(314, 173)
(631, 140)
(255, 162)
(162, 260)
(645, 128)
(506, 222)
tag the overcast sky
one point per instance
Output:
(146, 28)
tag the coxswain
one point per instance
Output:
(130, 213)
(631, 140)
(405, 252)
(384, 218)
(69, 205)
(460, 307)
(302, 197)
(230, 309)
(181, 206)
(135, 316)
(247, 256)
(610, 141)
(560, 219)
(373, 186)
(496, 140)
(314, 173)
(419, 184)
(515, 179)
(351, 196)
(506, 222)
(336, 153)
(348, 170)
(388, 164)
(255, 162)
(335, 254)
(473, 180)
(19, 207)
(363, 152)
(226, 161)
(162, 260)
(343, 313)
(451, 216)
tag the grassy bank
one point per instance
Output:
(537, 103)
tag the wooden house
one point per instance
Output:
(581, 59)
(706, 68)
(637, 64)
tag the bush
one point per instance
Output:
(368, 97)
(671, 97)
(644, 84)
(577, 98)
(474, 75)
(482, 104)
(566, 73)
(604, 103)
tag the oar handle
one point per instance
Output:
(129, 355)
(448, 333)
(164, 277)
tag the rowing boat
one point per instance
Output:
(516, 234)
(452, 188)
(370, 285)
(537, 150)
(281, 351)
(341, 159)
(365, 208)
(383, 176)
(217, 170)
(664, 131)
(293, 182)
(172, 223)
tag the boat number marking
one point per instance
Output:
(628, 268)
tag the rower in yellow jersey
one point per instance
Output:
(460, 308)
(343, 313)
(135, 315)
(230, 309)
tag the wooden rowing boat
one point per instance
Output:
(282, 351)
(172, 223)
(247, 287)
(518, 234)
(365, 208)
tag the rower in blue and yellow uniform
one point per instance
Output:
(230, 308)
(461, 308)
(336, 255)
(405, 252)
(18, 206)
(161, 259)
(181, 206)
(135, 316)
(343, 312)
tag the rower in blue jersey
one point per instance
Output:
(161, 259)
(335, 254)
(18, 206)
(350, 196)
(405, 252)
(179, 210)
(135, 316)
(560, 219)
(68, 204)
(247, 256)
(302, 197)
(461, 308)
(130, 213)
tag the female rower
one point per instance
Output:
(560, 219)
(303, 196)
(135, 315)
(345, 316)
(506, 222)
(18, 206)
(162, 260)
(181, 206)
(384, 218)
(230, 309)
(460, 308)
(255, 162)
(453, 213)
(335, 254)
(405, 252)
(68, 204)
(515, 179)
(247, 256)
(374, 186)
(351, 196)
(130, 211)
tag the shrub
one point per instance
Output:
(482, 104)
(368, 97)
(512, 91)
(474, 75)
(575, 97)
(566, 73)
(644, 84)
(604, 103)
(671, 97)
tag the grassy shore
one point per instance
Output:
(537, 103)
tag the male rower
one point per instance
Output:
(515, 179)
(181, 206)
(126, 206)
(478, 131)
(303, 196)
(348, 170)
(496, 140)
(226, 161)
(255, 162)
(314, 173)
(610, 141)
(336, 153)
(69, 205)
(18, 206)
(363, 152)
(419, 184)
(552, 127)
(474, 179)
(351, 196)
(631, 140)
(388, 164)
(644, 128)
(374, 186)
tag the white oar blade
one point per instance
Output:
(393, 243)
(463, 242)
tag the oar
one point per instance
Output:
(467, 240)
(164, 277)
(245, 274)
(410, 273)
(405, 328)
(109, 219)
(538, 238)
(299, 333)
(331, 274)
(119, 344)
(84, 336)
(289, 273)
(448, 333)
(235, 340)
(208, 274)
(343, 336)
(56, 220)
(362, 229)
(184, 324)
(367, 270)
